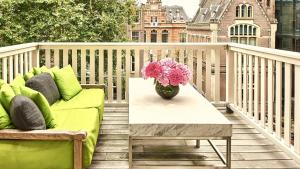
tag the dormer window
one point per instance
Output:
(244, 11)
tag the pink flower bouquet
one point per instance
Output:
(167, 72)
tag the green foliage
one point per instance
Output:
(24, 21)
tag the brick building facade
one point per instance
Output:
(242, 21)
(158, 23)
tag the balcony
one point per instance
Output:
(255, 88)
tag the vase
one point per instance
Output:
(166, 92)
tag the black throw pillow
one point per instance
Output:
(44, 84)
(25, 114)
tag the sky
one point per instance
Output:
(190, 6)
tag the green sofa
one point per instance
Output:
(70, 144)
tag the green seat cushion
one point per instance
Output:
(32, 154)
(5, 121)
(17, 83)
(80, 120)
(87, 98)
(6, 95)
(67, 82)
(42, 103)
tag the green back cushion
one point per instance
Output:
(17, 83)
(42, 103)
(44, 69)
(37, 70)
(6, 95)
(67, 82)
(1, 82)
(4, 119)
(28, 75)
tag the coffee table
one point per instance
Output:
(187, 116)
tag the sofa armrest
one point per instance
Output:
(75, 136)
(11, 134)
(93, 86)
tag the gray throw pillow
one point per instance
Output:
(44, 84)
(25, 114)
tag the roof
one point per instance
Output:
(176, 13)
(210, 10)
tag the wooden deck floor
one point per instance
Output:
(250, 149)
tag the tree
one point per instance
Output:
(23, 21)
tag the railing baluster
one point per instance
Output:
(21, 63)
(190, 53)
(199, 70)
(245, 83)
(287, 103)
(270, 95)
(128, 71)
(47, 58)
(256, 88)
(26, 62)
(74, 61)
(65, 56)
(235, 87)
(297, 110)
(250, 85)
(217, 75)
(11, 69)
(4, 69)
(109, 75)
(240, 80)
(83, 66)
(137, 53)
(16, 65)
(263, 92)
(92, 66)
(181, 56)
(278, 100)
(101, 66)
(56, 57)
(119, 75)
(209, 54)
(30, 60)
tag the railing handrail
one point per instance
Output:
(126, 44)
(12, 50)
(268, 53)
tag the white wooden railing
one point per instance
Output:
(259, 83)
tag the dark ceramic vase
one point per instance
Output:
(167, 92)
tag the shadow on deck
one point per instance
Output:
(250, 149)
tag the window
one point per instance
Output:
(244, 10)
(182, 37)
(243, 33)
(153, 18)
(164, 37)
(237, 11)
(268, 3)
(135, 36)
(145, 36)
(232, 31)
(153, 36)
(249, 11)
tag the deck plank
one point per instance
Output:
(250, 149)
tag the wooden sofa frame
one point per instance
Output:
(49, 135)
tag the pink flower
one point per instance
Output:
(176, 77)
(153, 69)
(167, 72)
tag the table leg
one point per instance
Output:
(130, 152)
(197, 143)
(228, 153)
